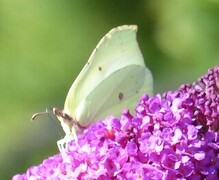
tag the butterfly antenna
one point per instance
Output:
(39, 114)
(48, 112)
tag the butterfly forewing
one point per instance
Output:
(114, 75)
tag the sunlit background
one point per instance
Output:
(45, 44)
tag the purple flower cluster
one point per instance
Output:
(174, 136)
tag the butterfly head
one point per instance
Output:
(64, 117)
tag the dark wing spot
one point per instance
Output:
(100, 68)
(120, 96)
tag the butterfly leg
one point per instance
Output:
(63, 143)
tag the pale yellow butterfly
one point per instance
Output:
(114, 78)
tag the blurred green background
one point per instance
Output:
(45, 44)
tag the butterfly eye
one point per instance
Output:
(66, 117)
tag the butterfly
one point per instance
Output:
(114, 78)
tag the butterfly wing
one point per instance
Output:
(120, 90)
(114, 75)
